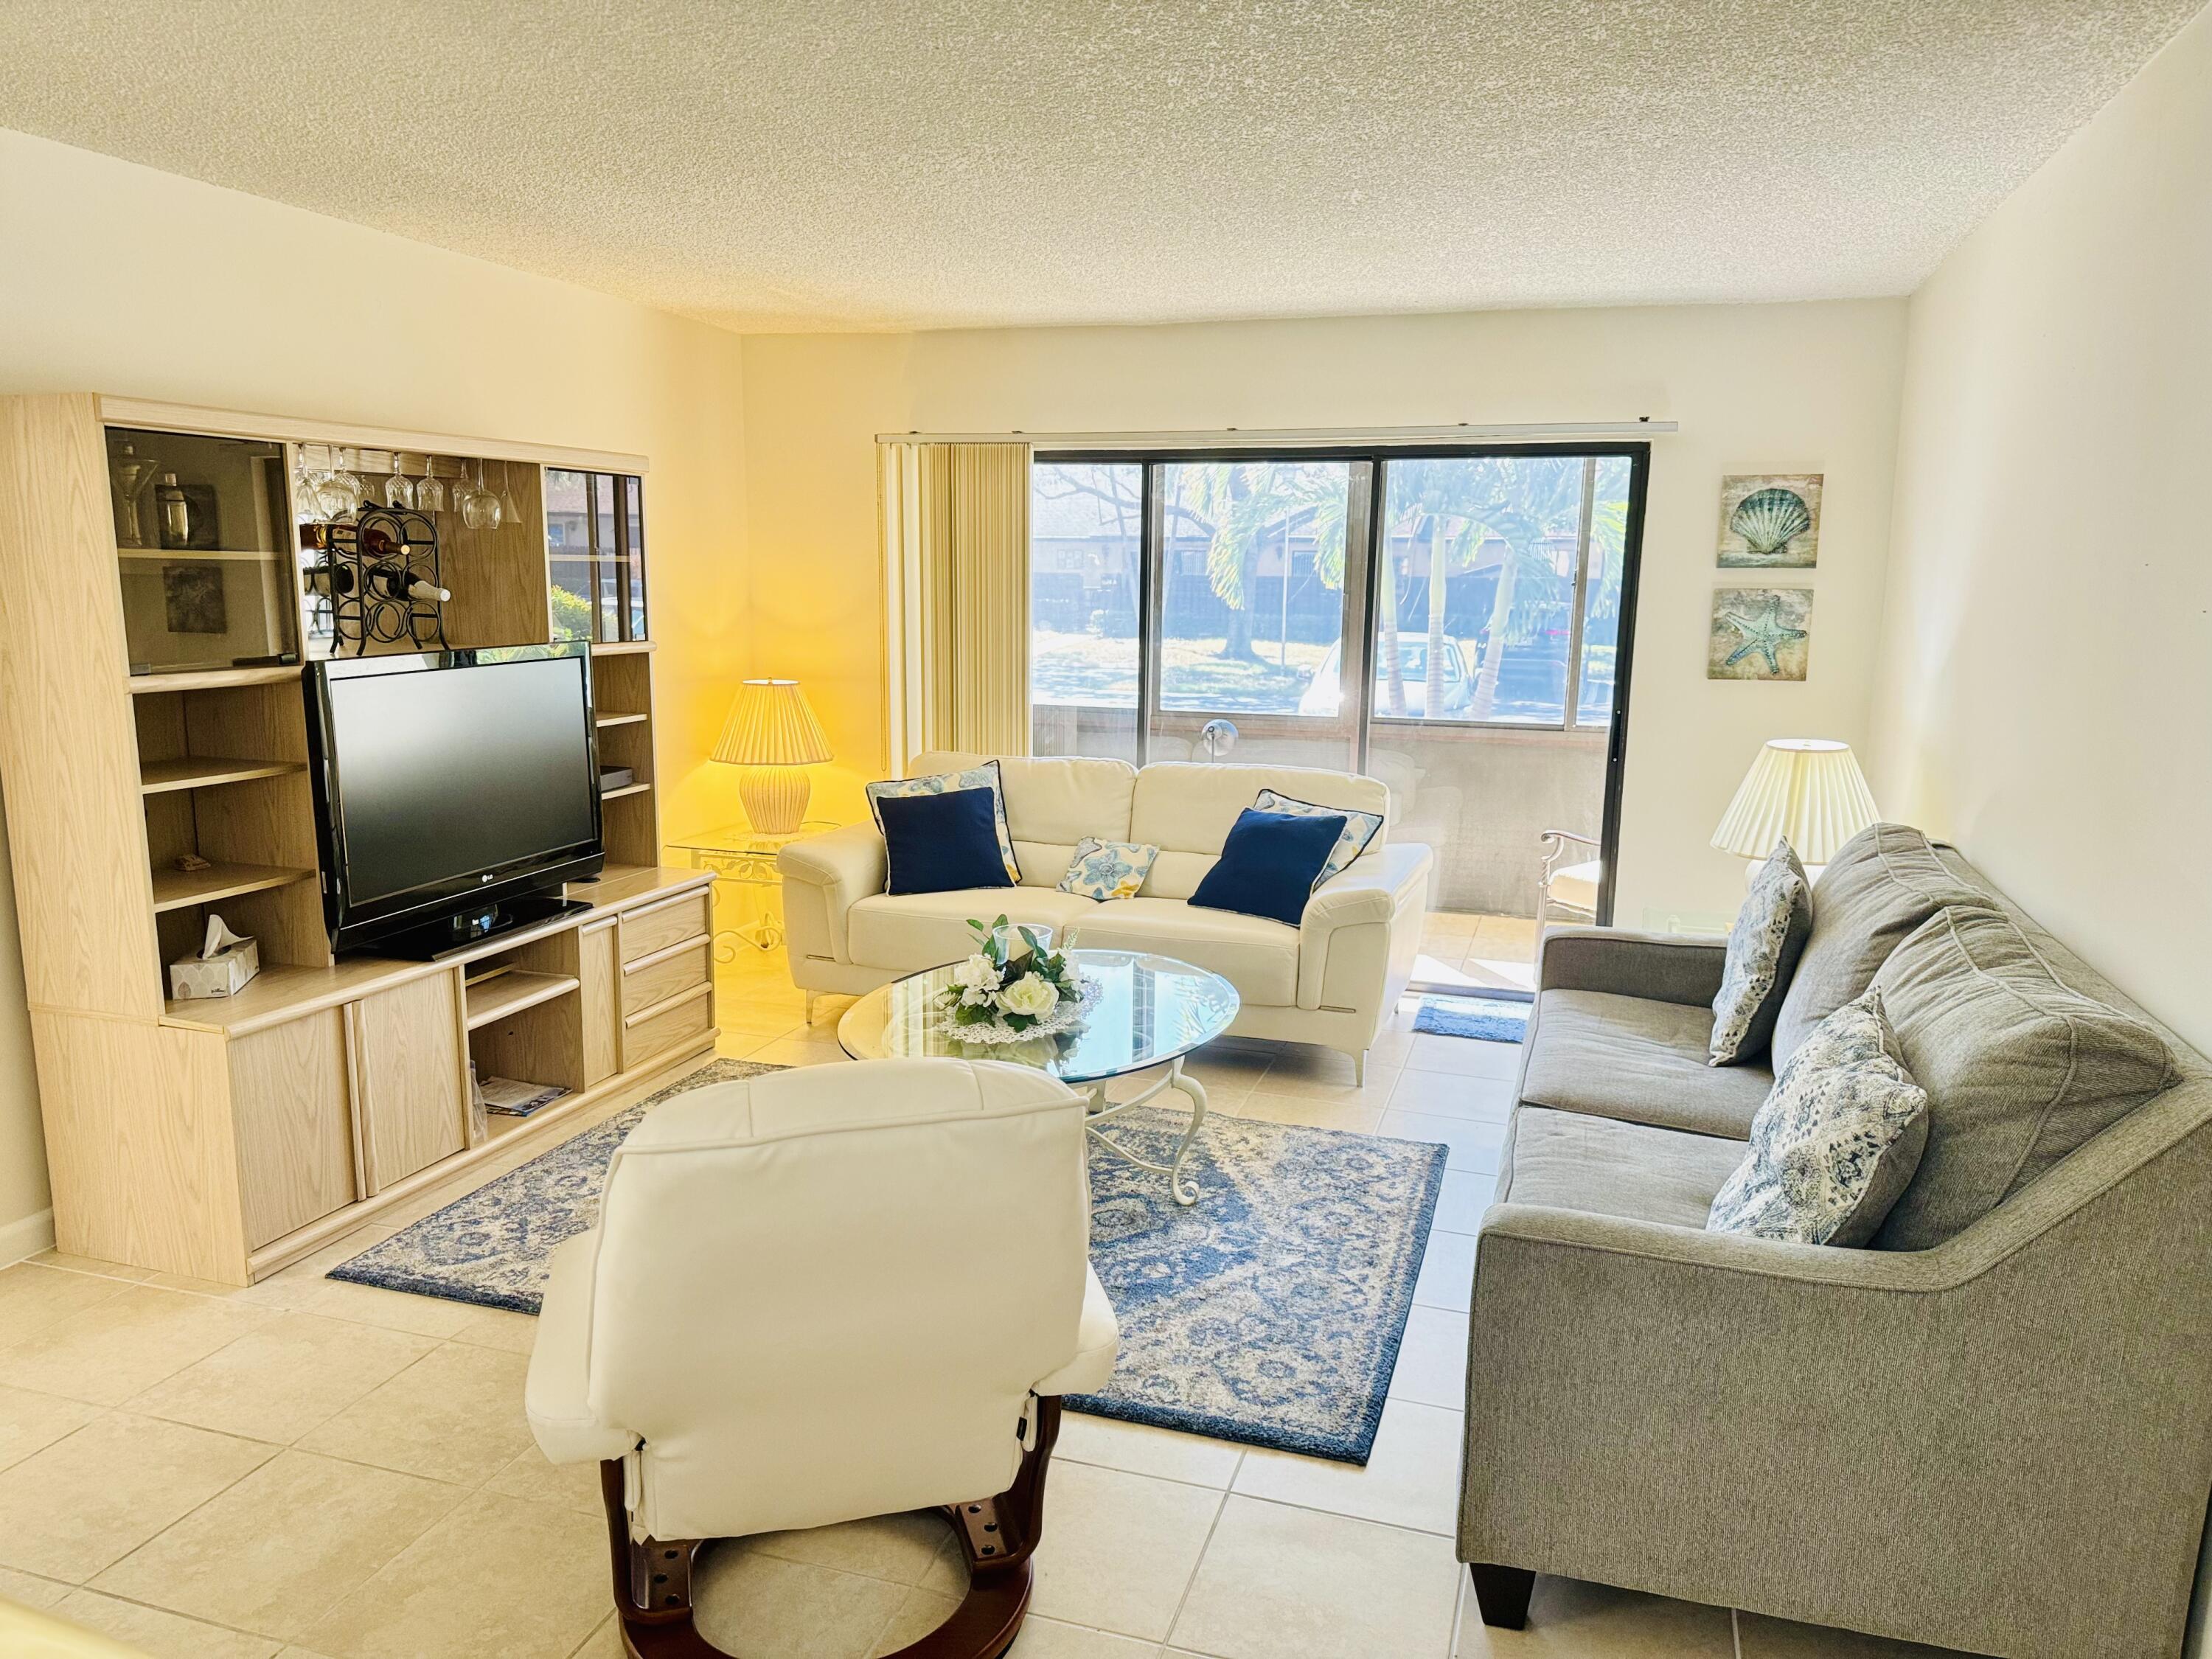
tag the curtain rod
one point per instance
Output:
(1242, 438)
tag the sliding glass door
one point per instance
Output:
(1452, 621)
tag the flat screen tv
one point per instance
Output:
(455, 790)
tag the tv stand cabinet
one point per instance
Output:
(221, 1138)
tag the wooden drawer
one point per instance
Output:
(657, 927)
(657, 1029)
(654, 979)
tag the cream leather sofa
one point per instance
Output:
(1331, 981)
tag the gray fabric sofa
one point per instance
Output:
(2001, 1444)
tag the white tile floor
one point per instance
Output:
(324, 1470)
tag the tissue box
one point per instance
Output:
(217, 976)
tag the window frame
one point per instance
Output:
(1378, 455)
(1152, 542)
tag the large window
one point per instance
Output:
(1448, 621)
(1167, 592)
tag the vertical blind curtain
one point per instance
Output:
(956, 545)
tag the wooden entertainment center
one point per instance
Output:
(222, 1138)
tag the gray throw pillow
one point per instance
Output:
(2020, 1068)
(1883, 882)
(1836, 1141)
(1762, 953)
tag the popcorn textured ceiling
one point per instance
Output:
(829, 164)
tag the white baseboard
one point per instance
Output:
(28, 1237)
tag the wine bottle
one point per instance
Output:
(331, 580)
(398, 582)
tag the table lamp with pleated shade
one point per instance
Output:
(773, 735)
(1806, 791)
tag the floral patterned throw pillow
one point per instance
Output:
(1836, 1141)
(1359, 828)
(1105, 870)
(985, 776)
(1771, 931)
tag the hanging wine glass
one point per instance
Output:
(399, 492)
(345, 491)
(507, 507)
(429, 493)
(462, 490)
(481, 510)
(307, 488)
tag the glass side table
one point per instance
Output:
(748, 887)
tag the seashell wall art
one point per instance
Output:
(1771, 521)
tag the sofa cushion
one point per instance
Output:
(1270, 865)
(1639, 1061)
(1104, 869)
(2020, 1068)
(907, 933)
(1260, 958)
(1762, 954)
(1359, 828)
(1837, 1140)
(1566, 1161)
(1883, 882)
(1056, 799)
(985, 776)
(941, 843)
(1183, 806)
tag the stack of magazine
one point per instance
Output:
(511, 1097)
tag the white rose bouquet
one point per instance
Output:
(1013, 989)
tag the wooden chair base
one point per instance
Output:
(653, 1576)
(1502, 1593)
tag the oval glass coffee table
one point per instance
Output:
(1151, 1011)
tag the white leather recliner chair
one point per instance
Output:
(822, 1295)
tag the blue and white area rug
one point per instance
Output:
(1487, 1019)
(1269, 1313)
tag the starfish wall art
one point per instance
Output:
(1759, 634)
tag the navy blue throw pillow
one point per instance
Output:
(943, 843)
(1269, 864)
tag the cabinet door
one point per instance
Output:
(599, 971)
(292, 1107)
(407, 1077)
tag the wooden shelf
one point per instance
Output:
(201, 772)
(200, 554)
(621, 647)
(627, 789)
(176, 890)
(605, 721)
(512, 992)
(203, 679)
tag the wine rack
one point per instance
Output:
(379, 582)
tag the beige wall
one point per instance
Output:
(1763, 388)
(2046, 683)
(119, 278)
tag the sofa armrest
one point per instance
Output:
(1658, 967)
(1359, 924)
(556, 1392)
(825, 876)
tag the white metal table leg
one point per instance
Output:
(1183, 1191)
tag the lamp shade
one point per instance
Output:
(770, 724)
(1806, 791)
